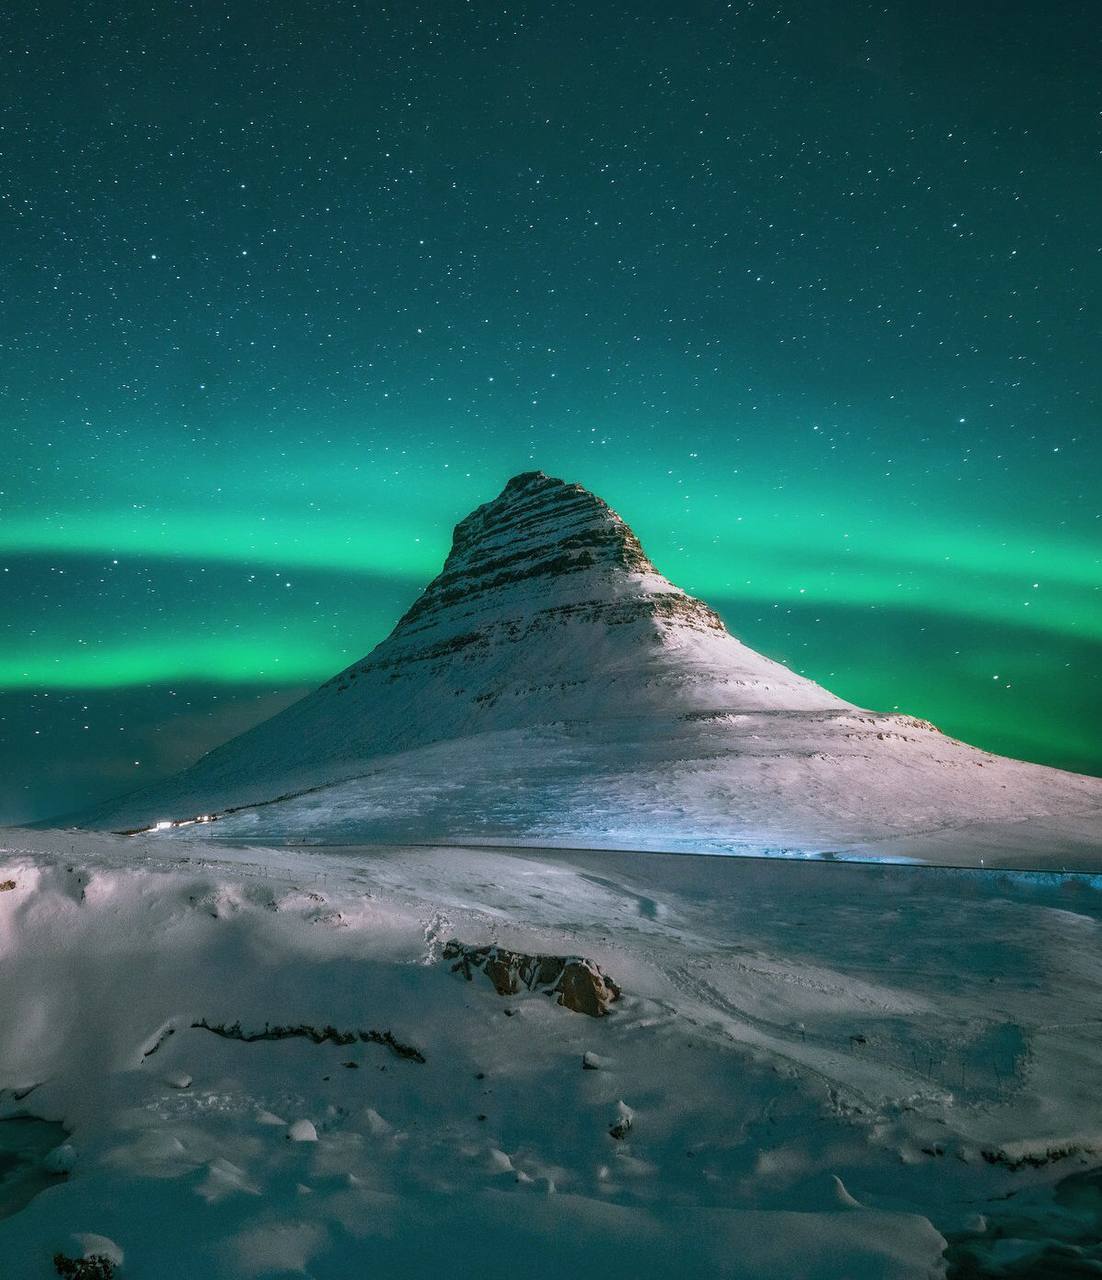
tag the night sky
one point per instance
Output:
(808, 292)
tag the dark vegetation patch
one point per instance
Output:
(1033, 1159)
(316, 1035)
(95, 1267)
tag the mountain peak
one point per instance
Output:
(547, 611)
(537, 527)
(548, 608)
(525, 479)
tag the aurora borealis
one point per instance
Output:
(808, 293)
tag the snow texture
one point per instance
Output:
(817, 1070)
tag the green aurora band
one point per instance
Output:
(1000, 580)
(780, 568)
(810, 296)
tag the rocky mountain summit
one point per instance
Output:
(548, 604)
(550, 685)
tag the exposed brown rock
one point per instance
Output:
(562, 529)
(577, 983)
(621, 1126)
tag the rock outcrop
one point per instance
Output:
(573, 981)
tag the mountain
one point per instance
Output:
(550, 685)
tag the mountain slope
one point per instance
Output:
(550, 684)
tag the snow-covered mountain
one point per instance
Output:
(247, 1063)
(549, 685)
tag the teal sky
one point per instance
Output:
(808, 295)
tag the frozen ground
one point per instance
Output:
(830, 1069)
(845, 783)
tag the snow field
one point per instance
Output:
(826, 1068)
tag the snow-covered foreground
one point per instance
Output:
(828, 1069)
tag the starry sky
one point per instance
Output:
(809, 292)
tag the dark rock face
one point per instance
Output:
(622, 1125)
(577, 983)
(549, 517)
(538, 531)
(94, 1267)
(316, 1035)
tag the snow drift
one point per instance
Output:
(266, 1063)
